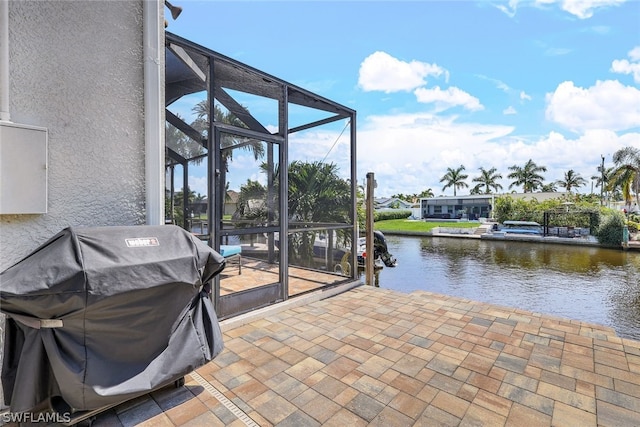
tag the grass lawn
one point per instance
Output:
(406, 225)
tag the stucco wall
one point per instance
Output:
(77, 68)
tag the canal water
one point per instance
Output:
(576, 282)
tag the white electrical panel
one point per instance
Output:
(23, 169)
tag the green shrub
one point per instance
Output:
(633, 226)
(610, 231)
(394, 214)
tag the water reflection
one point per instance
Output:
(577, 282)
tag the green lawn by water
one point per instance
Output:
(418, 226)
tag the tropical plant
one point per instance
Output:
(201, 124)
(316, 194)
(610, 231)
(626, 174)
(454, 178)
(571, 180)
(181, 144)
(528, 176)
(487, 181)
(549, 187)
(251, 201)
(602, 179)
(428, 193)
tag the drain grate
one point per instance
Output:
(239, 413)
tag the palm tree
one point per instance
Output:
(487, 179)
(454, 178)
(177, 141)
(626, 173)
(528, 176)
(316, 194)
(428, 193)
(602, 178)
(201, 124)
(571, 180)
(549, 188)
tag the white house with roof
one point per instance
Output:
(472, 207)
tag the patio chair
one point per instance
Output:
(232, 253)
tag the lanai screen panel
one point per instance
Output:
(259, 127)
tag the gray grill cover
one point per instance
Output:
(100, 315)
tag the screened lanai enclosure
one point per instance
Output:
(262, 170)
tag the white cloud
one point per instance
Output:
(509, 111)
(410, 153)
(631, 66)
(606, 105)
(509, 9)
(448, 98)
(524, 96)
(582, 9)
(381, 71)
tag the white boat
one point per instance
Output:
(521, 227)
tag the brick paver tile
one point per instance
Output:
(365, 406)
(617, 398)
(433, 416)
(521, 415)
(408, 405)
(375, 366)
(390, 417)
(276, 409)
(480, 416)
(493, 402)
(205, 419)
(340, 367)
(142, 412)
(566, 415)
(484, 382)
(614, 416)
(558, 380)
(320, 408)
(478, 363)
(299, 418)
(186, 411)
(450, 403)
(576, 400)
(330, 387)
(345, 417)
(532, 400)
(305, 368)
(369, 385)
(407, 384)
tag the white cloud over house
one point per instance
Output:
(606, 105)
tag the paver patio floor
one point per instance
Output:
(370, 356)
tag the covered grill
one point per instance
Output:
(100, 315)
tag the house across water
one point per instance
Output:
(471, 207)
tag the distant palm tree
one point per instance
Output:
(602, 178)
(428, 193)
(626, 173)
(549, 188)
(487, 179)
(454, 178)
(528, 176)
(571, 180)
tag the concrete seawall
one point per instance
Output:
(470, 233)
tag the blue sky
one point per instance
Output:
(440, 84)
